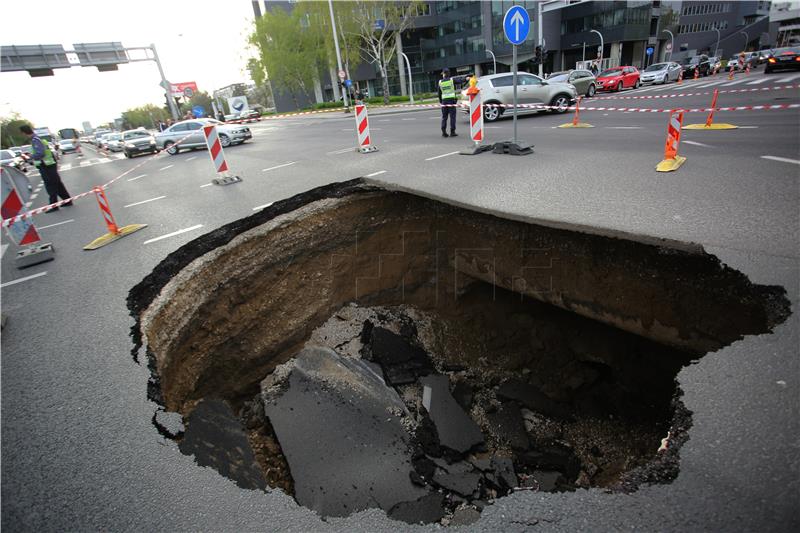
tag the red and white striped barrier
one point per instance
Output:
(362, 129)
(114, 231)
(218, 157)
(20, 230)
(475, 121)
(105, 210)
(672, 161)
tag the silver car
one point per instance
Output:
(190, 134)
(661, 73)
(531, 90)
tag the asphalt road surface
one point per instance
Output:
(79, 451)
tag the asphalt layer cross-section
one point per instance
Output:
(79, 451)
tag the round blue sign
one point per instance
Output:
(348, 83)
(516, 25)
(198, 111)
(649, 50)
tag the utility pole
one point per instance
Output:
(338, 57)
(410, 85)
(541, 39)
(173, 109)
(671, 43)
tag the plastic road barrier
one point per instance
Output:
(672, 161)
(21, 230)
(709, 125)
(114, 232)
(362, 128)
(218, 157)
(475, 120)
(576, 119)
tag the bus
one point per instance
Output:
(68, 133)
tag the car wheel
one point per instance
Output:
(560, 102)
(637, 84)
(224, 140)
(491, 113)
(127, 154)
(767, 70)
(619, 86)
(592, 90)
(171, 148)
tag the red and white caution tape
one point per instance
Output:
(702, 93)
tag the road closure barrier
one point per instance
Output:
(672, 161)
(700, 93)
(217, 155)
(680, 77)
(114, 232)
(576, 123)
(475, 120)
(730, 73)
(709, 125)
(22, 231)
(362, 130)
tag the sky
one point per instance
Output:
(201, 41)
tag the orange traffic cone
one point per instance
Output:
(709, 125)
(672, 161)
(576, 119)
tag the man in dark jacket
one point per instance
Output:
(447, 97)
(45, 161)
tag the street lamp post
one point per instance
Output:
(671, 43)
(494, 61)
(410, 85)
(541, 39)
(601, 47)
(746, 39)
(173, 108)
(716, 48)
(338, 57)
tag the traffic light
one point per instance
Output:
(537, 55)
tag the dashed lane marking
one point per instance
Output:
(695, 143)
(56, 224)
(747, 127)
(440, 156)
(34, 196)
(65, 166)
(173, 234)
(781, 159)
(624, 127)
(145, 201)
(206, 185)
(26, 278)
(104, 160)
(756, 82)
(279, 166)
(3, 249)
(342, 151)
(258, 208)
(137, 177)
(190, 158)
(165, 168)
(378, 173)
(789, 78)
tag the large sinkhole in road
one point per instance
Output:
(358, 347)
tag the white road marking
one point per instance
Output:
(137, 177)
(34, 196)
(28, 204)
(624, 127)
(781, 159)
(789, 78)
(734, 82)
(65, 166)
(278, 166)
(84, 162)
(166, 167)
(378, 173)
(438, 156)
(104, 160)
(206, 185)
(57, 224)
(408, 119)
(3, 249)
(384, 120)
(20, 280)
(145, 201)
(342, 151)
(695, 143)
(190, 158)
(262, 206)
(747, 127)
(174, 233)
(756, 82)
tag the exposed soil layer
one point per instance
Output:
(561, 346)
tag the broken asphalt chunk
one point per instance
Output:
(458, 477)
(457, 431)
(425, 510)
(531, 397)
(508, 426)
(401, 361)
(504, 472)
(339, 429)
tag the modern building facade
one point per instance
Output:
(467, 37)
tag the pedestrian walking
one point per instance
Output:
(45, 161)
(447, 98)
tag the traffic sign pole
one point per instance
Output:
(514, 62)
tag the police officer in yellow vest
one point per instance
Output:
(447, 97)
(45, 161)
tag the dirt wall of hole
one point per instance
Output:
(224, 319)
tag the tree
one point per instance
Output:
(9, 126)
(289, 51)
(146, 116)
(377, 23)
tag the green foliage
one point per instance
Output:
(146, 116)
(9, 131)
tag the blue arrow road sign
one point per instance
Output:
(516, 24)
(649, 50)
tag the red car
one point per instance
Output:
(617, 78)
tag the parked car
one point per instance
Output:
(190, 135)
(617, 78)
(733, 62)
(138, 142)
(715, 63)
(782, 59)
(583, 80)
(531, 89)
(661, 73)
(763, 55)
(67, 145)
(752, 58)
(699, 63)
(114, 142)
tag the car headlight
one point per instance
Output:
(130, 145)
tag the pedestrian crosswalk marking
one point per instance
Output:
(789, 78)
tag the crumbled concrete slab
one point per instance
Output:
(532, 398)
(504, 472)
(340, 428)
(457, 431)
(458, 477)
(548, 481)
(508, 426)
(425, 510)
(552, 457)
(402, 362)
(465, 516)
(216, 438)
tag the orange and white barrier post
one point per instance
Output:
(576, 123)
(747, 68)
(218, 157)
(730, 73)
(709, 125)
(680, 77)
(475, 120)
(362, 130)
(696, 73)
(672, 161)
(114, 231)
(21, 230)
